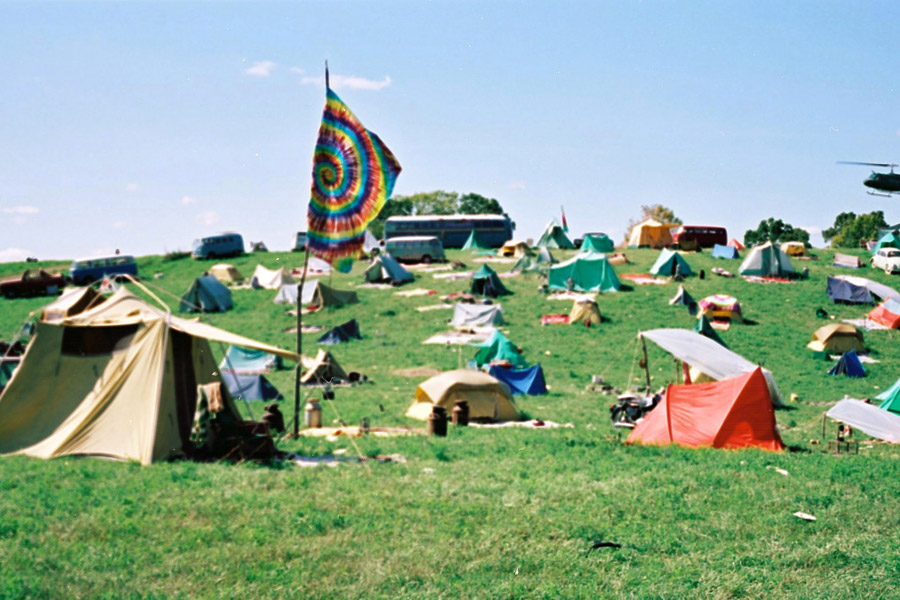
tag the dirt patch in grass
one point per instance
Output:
(420, 372)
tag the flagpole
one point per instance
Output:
(299, 343)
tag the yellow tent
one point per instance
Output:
(793, 248)
(119, 380)
(650, 233)
(837, 338)
(514, 249)
(226, 273)
(585, 311)
(487, 397)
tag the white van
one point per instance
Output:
(419, 248)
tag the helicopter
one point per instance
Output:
(889, 183)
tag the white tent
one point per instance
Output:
(317, 265)
(370, 243)
(708, 356)
(868, 418)
(882, 291)
(287, 294)
(477, 315)
(270, 280)
(767, 260)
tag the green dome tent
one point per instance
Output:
(890, 239)
(589, 273)
(597, 243)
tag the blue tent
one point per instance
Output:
(729, 252)
(246, 361)
(521, 381)
(341, 333)
(206, 294)
(841, 290)
(848, 365)
(250, 387)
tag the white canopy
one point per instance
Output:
(867, 418)
(477, 315)
(287, 293)
(710, 357)
(879, 289)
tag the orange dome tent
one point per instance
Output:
(733, 413)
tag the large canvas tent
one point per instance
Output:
(476, 315)
(650, 233)
(708, 357)
(487, 398)
(206, 294)
(597, 243)
(528, 381)
(486, 282)
(837, 338)
(118, 380)
(554, 236)
(385, 269)
(869, 419)
(250, 387)
(73, 301)
(841, 290)
(268, 279)
(733, 413)
(670, 263)
(767, 260)
(588, 272)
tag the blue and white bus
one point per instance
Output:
(453, 230)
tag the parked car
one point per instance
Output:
(887, 259)
(415, 248)
(33, 283)
(85, 271)
(219, 246)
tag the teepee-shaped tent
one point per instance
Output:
(890, 398)
(474, 242)
(669, 263)
(704, 328)
(554, 236)
(206, 294)
(486, 282)
(848, 365)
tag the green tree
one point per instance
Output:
(476, 204)
(850, 230)
(775, 231)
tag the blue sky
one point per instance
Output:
(141, 126)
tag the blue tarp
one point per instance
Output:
(841, 290)
(521, 381)
(848, 365)
(342, 333)
(720, 251)
(250, 387)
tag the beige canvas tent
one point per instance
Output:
(513, 248)
(322, 369)
(268, 279)
(487, 397)
(118, 380)
(226, 273)
(72, 302)
(585, 311)
(650, 233)
(837, 338)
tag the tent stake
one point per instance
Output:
(299, 371)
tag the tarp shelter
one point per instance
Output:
(528, 382)
(887, 313)
(498, 348)
(836, 338)
(727, 252)
(249, 361)
(554, 236)
(793, 248)
(890, 398)
(650, 233)
(588, 272)
(767, 260)
(474, 242)
(476, 315)
(890, 239)
(721, 306)
(342, 333)
(226, 273)
(705, 328)
(385, 269)
(733, 413)
(683, 298)
(869, 419)
(323, 369)
(513, 248)
(486, 282)
(487, 398)
(597, 243)
(708, 357)
(848, 365)
(848, 261)
(841, 290)
(250, 387)
(73, 301)
(585, 312)
(268, 279)
(669, 263)
(118, 380)
(206, 294)
(735, 244)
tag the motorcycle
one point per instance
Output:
(630, 408)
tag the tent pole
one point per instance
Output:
(646, 363)
(299, 371)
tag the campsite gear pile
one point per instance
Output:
(630, 408)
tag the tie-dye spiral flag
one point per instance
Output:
(353, 176)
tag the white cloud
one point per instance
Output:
(120, 225)
(262, 68)
(14, 254)
(349, 82)
(515, 185)
(811, 229)
(188, 199)
(20, 210)
(297, 70)
(209, 217)
(131, 187)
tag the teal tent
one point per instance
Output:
(498, 348)
(206, 294)
(385, 269)
(485, 282)
(588, 272)
(475, 242)
(891, 398)
(554, 236)
(890, 239)
(705, 328)
(597, 243)
(668, 262)
(544, 257)
(247, 362)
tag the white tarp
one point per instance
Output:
(287, 294)
(317, 265)
(477, 315)
(868, 418)
(882, 291)
(269, 279)
(708, 356)
(370, 243)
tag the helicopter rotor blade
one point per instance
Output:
(869, 164)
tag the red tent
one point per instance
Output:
(885, 316)
(733, 413)
(736, 244)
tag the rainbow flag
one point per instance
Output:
(353, 176)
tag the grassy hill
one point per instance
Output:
(482, 513)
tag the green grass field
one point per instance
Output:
(482, 513)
